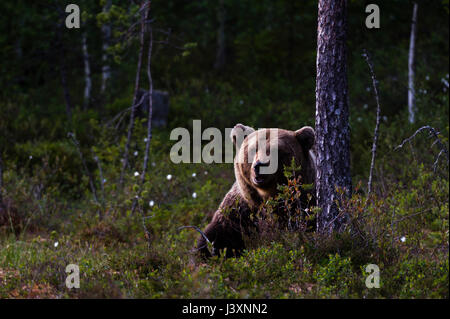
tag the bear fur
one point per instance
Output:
(232, 220)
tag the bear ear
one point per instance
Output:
(305, 137)
(240, 132)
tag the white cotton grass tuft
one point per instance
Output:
(194, 195)
(135, 153)
(151, 203)
(194, 174)
(403, 239)
(136, 173)
(169, 177)
(56, 244)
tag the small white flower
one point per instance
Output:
(359, 119)
(206, 173)
(104, 180)
(136, 173)
(403, 239)
(169, 177)
(145, 140)
(425, 91)
(194, 195)
(31, 157)
(194, 174)
(153, 164)
(56, 244)
(151, 203)
(427, 78)
(135, 153)
(241, 102)
(365, 106)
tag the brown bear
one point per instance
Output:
(255, 151)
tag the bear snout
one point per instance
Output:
(259, 178)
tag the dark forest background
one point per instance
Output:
(263, 75)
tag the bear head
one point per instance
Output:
(262, 155)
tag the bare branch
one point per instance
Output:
(149, 117)
(201, 233)
(86, 169)
(136, 89)
(377, 126)
(102, 180)
(433, 133)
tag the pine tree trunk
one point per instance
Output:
(332, 115)
(411, 90)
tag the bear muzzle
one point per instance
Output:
(258, 178)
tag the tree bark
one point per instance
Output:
(106, 69)
(411, 90)
(87, 72)
(332, 115)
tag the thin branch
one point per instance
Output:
(149, 117)
(377, 126)
(434, 133)
(88, 173)
(102, 180)
(201, 233)
(121, 114)
(136, 89)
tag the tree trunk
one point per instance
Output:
(136, 90)
(106, 69)
(87, 72)
(62, 66)
(411, 90)
(220, 54)
(332, 115)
